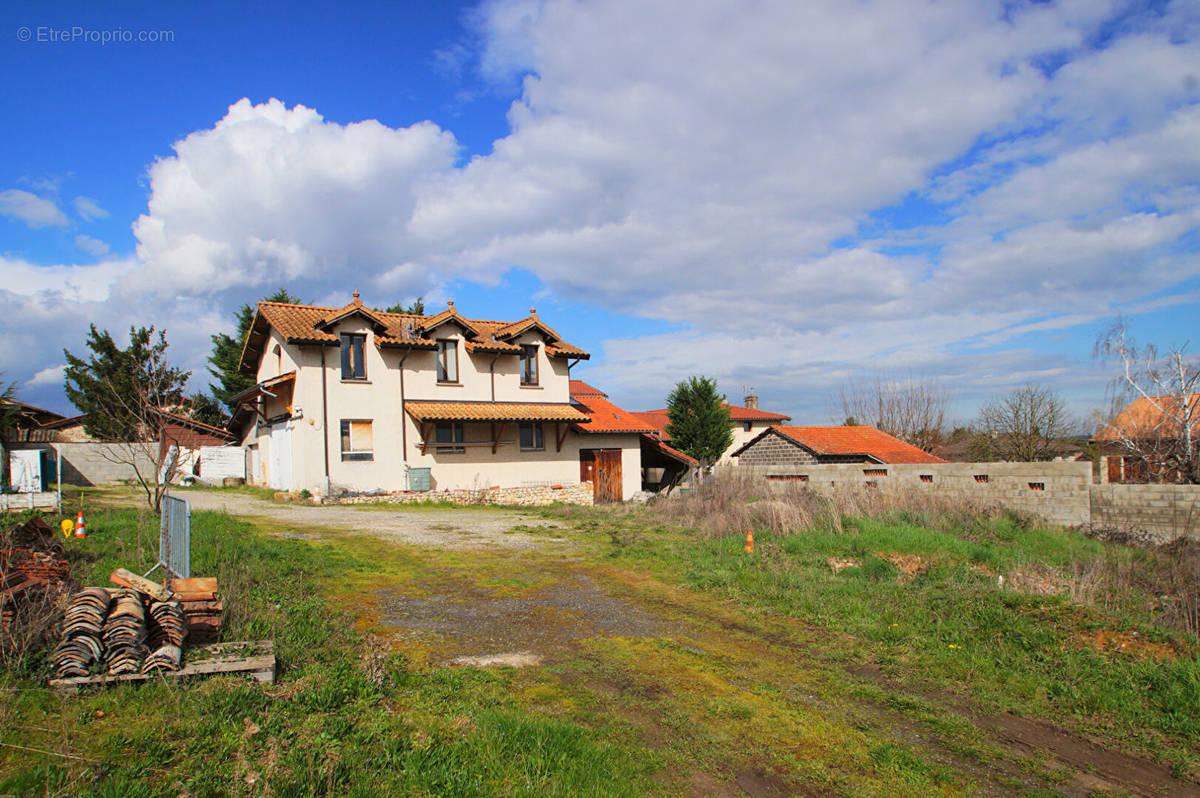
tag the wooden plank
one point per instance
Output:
(194, 584)
(141, 584)
(223, 659)
(200, 607)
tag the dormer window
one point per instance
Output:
(447, 360)
(354, 364)
(529, 364)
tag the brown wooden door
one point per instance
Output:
(608, 476)
(1114, 469)
(587, 466)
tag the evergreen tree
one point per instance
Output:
(118, 390)
(417, 308)
(206, 410)
(698, 420)
(227, 353)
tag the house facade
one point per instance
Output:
(746, 422)
(354, 400)
(1153, 439)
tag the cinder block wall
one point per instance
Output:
(1165, 511)
(1056, 491)
(96, 463)
(773, 450)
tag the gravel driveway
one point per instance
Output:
(445, 528)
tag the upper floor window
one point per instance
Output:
(746, 425)
(531, 437)
(529, 365)
(354, 364)
(447, 360)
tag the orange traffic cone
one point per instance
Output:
(749, 541)
(80, 527)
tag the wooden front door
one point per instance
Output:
(602, 467)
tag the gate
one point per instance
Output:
(175, 538)
(603, 468)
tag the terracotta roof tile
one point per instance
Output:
(852, 441)
(607, 417)
(580, 388)
(493, 411)
(302, 324)
(670, 451)
(1142, 420)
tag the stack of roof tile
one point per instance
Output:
(125, 634)
(167, 623)
(164, 658)
(82, 628)
(201, 608)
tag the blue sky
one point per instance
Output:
(780, 195)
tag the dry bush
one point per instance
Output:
(732, 503)
(31, 624)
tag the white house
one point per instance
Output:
(351, 399)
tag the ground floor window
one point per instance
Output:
(531, 437)
(450, 432)
(358, 442)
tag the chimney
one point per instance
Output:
(752, 400)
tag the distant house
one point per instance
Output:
(1142, 442)
(803, 445)
(747, 421)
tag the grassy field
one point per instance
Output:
(860, 656)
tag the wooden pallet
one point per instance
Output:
(198, 661)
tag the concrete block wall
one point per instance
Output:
(773, 450)
(1164, 512)
(94, 463)
(1056, 491)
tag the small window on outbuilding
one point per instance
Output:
(1037, 485)
(927, 477)
(358, 440)
(746, 425)
(981, 478)
(354, 365)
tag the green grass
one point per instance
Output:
(952, 629)
(326, 728)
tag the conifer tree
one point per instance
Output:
(698, 420)
(227, 354)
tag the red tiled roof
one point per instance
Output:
(670, 451)
(580, 388)
(307, 324)
(852, 441)
(607, 417)
(493, 411)
(1141, 420)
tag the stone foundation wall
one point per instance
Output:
(1056, 491)
(1163, 512)
(539, 495)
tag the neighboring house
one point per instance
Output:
(661, 466)
(352, 399)
(802, 445)
(1142, 441)
(746, 421)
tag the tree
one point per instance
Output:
(911, 409)
(124, 395)
(206, 410)
(1167, 437)
(698, 420)
(417, 308)
(1026, 425)
(226, 354)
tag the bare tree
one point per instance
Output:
(912, 409)
(1026, 425)
(1161, 425)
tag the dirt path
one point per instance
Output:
(440, 528)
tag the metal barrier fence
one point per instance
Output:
(175, 537)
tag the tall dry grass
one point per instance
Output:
(732, 503)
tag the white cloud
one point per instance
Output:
(739, 170)
(31, 209)
(51, 375)
(93, 246)
(88, 209)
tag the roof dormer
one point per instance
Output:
(355, 308)
(449, 316)
(531, 322)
